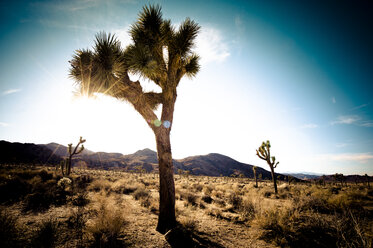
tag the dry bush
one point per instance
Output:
(10, 232)
(145, 198)
(140, 193)
(197, 187)
(207, 190)
(312, 222)
(106, 226)
(235, 200)
(191, 199)
(220, 203)
(248, 209)
(99, 184)
(46, 234)
(207, 199)
(77, 222)
(188, 223)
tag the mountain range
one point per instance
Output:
(212, 164)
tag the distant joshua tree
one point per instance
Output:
(66, 163)
(265, 154)
(160, 53)
(367, 179)
(256, 179)
(339, 177)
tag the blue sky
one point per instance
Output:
(299, 74)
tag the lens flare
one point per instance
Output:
(166, 124)
(157, 123)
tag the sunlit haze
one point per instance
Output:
(297, 74)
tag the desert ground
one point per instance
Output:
(97, 208)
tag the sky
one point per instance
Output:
(297, 73)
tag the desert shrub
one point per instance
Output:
(77, 223)
(129, 189)
(80, 199)
(99, 184)
(235, 200)
(38, 201)
(220, 203)
(217, 194)
(267, 193)
(191, 199)
(10, 233)
(351, 232)
(13, 189)
(286, 228)
(45, 176)
(370, 192)
(106, 228)
(188, 223)
(119, 186)
(82, 182)
(197, 187)
(45, 194)
(207, 199)
(247, 209)
(315, 204)
(46, 235)
(140, 193)
(207, 190)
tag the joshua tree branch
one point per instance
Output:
(260, 156)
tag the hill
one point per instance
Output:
(18, 153)
(212, 164)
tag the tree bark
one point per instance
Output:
(274, 179)
(166, 218)
(256, 181)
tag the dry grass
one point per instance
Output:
(116, 209)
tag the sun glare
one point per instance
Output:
(108, 124)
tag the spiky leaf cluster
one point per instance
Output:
(264, 153)
(159, 52)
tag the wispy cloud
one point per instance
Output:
(11, 91)
(211, 46)
(360, 106)
(333, 100)
(340, 145)
(58, 24)
(70, 6)
(352, 120)
(310, 125)
(4, 124)
(366, 124)
(346, 119)
(355, 157)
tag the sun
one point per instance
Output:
(108, 124)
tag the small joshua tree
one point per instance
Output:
(256, 179)
(66, 164)
(367, 179)
(265, 154)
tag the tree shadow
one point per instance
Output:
(180, 237)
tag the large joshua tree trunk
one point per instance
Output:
(166, 218)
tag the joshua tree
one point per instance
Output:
(66, 164)
(265, 154)
(339, 177)
(256, 179)
(367, 179)
(159, 53)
